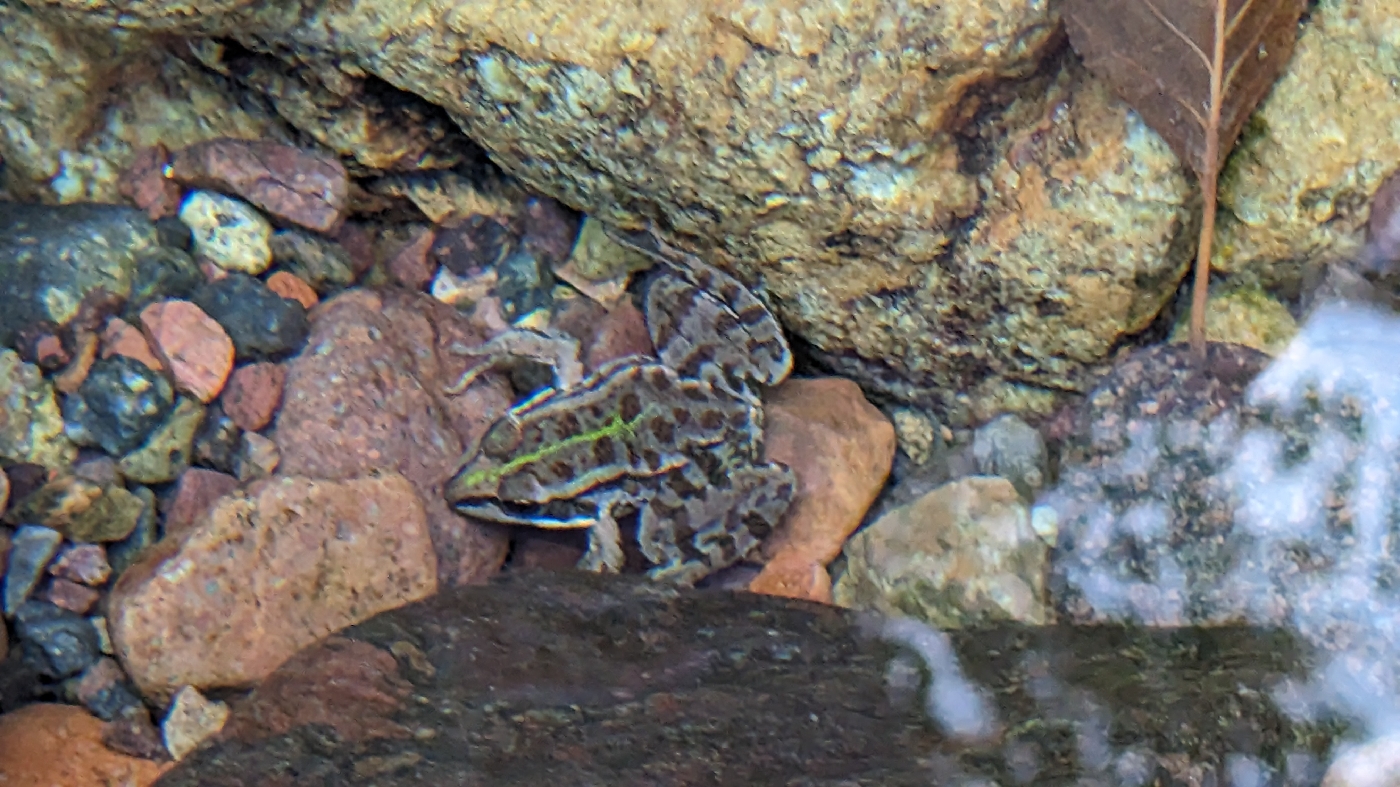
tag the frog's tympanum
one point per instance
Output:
(674, 441)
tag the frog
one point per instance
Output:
(674, 441)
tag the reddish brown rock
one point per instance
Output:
(191, 344)
(120, 337)
(83, 563)
(622, 332)
(359, 244)
(410, 266)
(253, 394)
(291, 287)
(841, 448)
(293, 185)
(195, 492)
(101, 678)
(71, 596)
(145, 183)
(45, 350)
(372, 398)
(32, 737)
(266, 573)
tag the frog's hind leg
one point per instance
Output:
(556, 350)
(688, 538)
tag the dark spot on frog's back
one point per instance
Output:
(725, 322)
(568, 426)
(680, 416)
(712, 420)
(651, 458)
(562, 471)
(663, 430)
(604, 451)
(630, 406)
(752, 315)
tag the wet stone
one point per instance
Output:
(70, 595)
(548, 229)
(31, 549)
(293, 185)
(478, 243)
(103, 689)
(121, 554)
(318, 261)
(261, 323)
(164, 273)
(228, 232)
(79, 509)
(167, 453)
(293, 288)
(118, 406)
(1011, 448)
(524, 286)
(66, 640)
(85, 563)
(133, 733)
(219, 441)
(31, 428)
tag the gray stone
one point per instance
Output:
(67, 640)
(1014, 450)
(31, 549)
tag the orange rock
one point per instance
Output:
(292, 288)
(195, 492)
(120, 337)
(45, 745)
(265, 573)
(841, 448)
(191, 344)
(253, 394)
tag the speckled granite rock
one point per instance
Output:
(1299, 185)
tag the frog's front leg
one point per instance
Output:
(560, 352)
(604, 537)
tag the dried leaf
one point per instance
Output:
(1157, 55)
(1194, 70)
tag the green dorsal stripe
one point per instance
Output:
(613, 427)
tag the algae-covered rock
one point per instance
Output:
(31, 427)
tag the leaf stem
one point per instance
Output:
(1209, 176)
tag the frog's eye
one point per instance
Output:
(501, 439)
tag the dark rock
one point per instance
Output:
(166, 273)
(31, 549)
(56, 255)
(104, 689)
(576, 679)
(524, 285)
(478, 243)
(318, 261)
(66, 639)
(118, 406)
(218, 442)
(175, 234)
(548, 229)
(260, 323)
(132, 732)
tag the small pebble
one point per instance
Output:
(261, 323)
(195, 492)
(66, 639)
(410, 266)
(228, 232)
(218, 442)
(288, 286)
(31, 549)
(133, 733)
(85, 563)
(117, 407)
(1009, 447)
(195, 348)
(122, 338)
(192, 719)
(320, 264)
(259, 458)
(71, 596)
(254, 394)
(103, 689)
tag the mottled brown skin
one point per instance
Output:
(677, 443)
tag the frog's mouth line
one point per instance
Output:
(555, 515)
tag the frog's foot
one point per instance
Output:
(558, 351)
(604, 538)
(688, 538)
